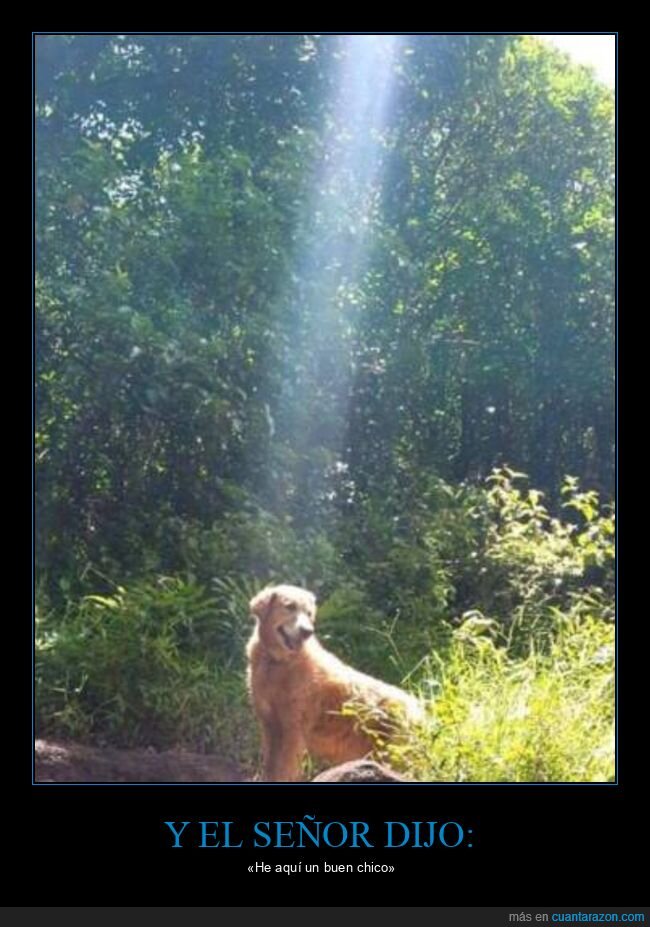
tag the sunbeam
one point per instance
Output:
(337, 240)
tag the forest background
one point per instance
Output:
(336, 311)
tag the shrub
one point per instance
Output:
(151, 665)
(538, 562)
(543, 717)
(254, 544)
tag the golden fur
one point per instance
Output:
(299, 689)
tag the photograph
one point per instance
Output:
(324, 411)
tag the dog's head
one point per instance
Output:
(285, 618)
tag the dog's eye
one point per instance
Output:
(292, 607)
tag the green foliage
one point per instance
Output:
(546, 716)
(253, 542)
(349, 625)
(150, 665)
(218, 408)
(526, 535)
(537, 562)
(179, 357)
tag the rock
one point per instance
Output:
(360, 771)
(74, 762)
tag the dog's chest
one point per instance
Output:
(272, 675)
(276, 685)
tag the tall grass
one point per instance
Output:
(546, 716)
(159, 664)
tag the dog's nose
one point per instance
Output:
(304, 627)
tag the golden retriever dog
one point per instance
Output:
(299, 690)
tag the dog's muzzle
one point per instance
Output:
(304, 627)
(297, 632)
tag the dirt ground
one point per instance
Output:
(73, 762)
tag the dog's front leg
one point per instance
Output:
(283, 752)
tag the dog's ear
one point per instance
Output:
(262, 603)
